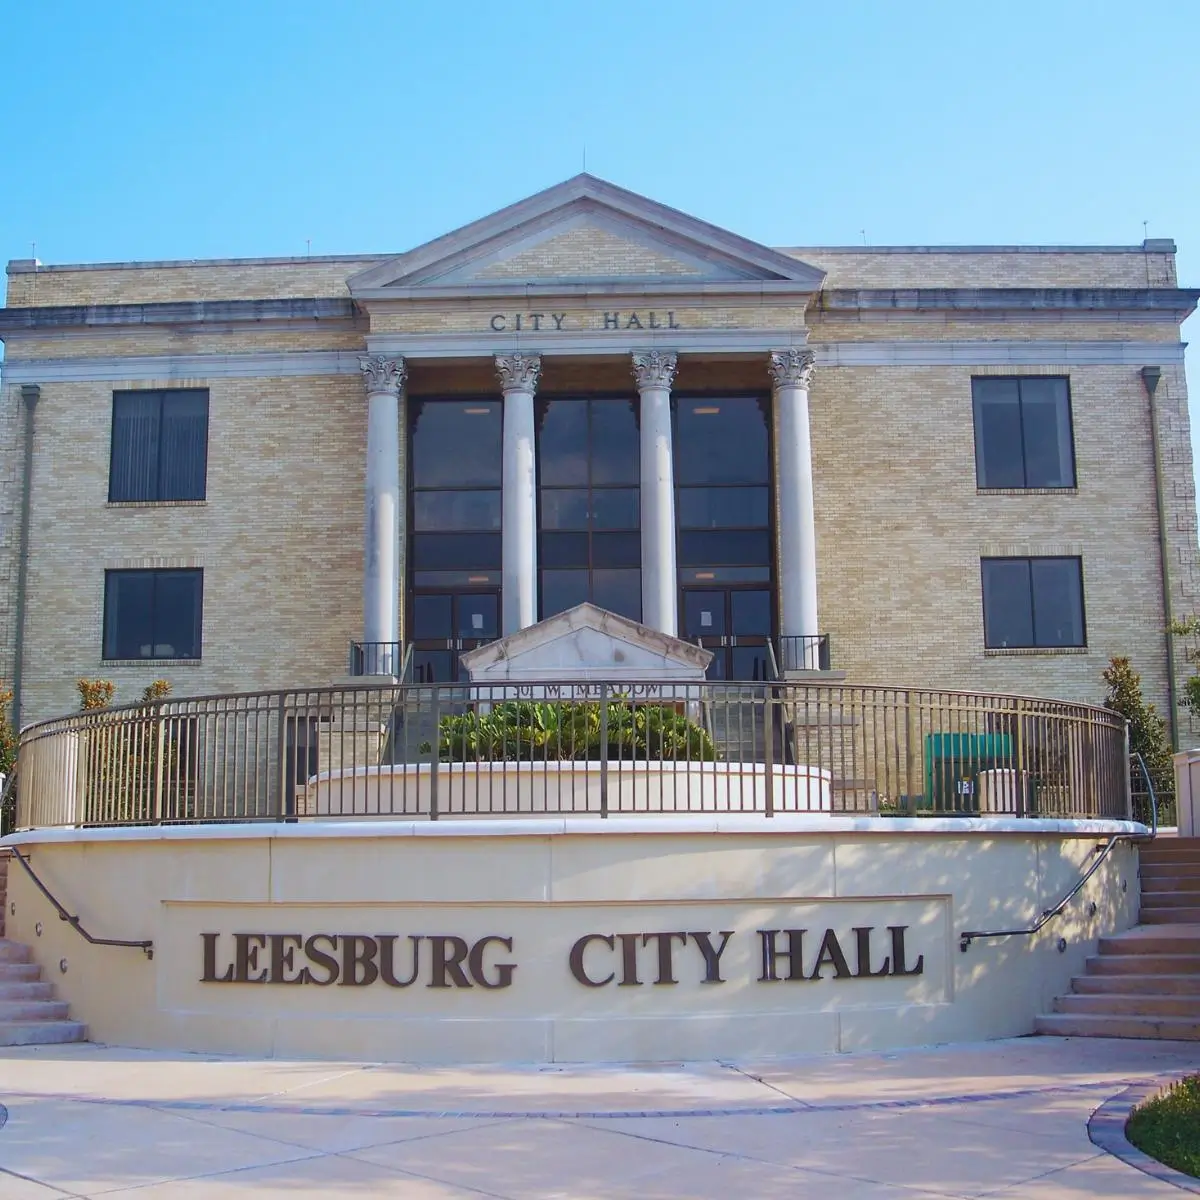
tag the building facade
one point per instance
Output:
(962, 467)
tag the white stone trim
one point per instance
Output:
(784, 824)
(201, 368)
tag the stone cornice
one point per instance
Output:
(1177, 302)
(324, 311)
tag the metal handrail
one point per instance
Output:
(772, 661)
(147, 948)
(406, 667)
(968, 936)
(10, 784)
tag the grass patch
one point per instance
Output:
(1169, 1128)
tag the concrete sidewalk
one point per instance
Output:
(1005, 1119)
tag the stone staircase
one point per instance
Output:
(1144, 983)
(29, 1013)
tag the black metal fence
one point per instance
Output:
(596, 749)
(808, 653)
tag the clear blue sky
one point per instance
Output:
(160, 130)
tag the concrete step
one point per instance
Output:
(1171, 847)
(23, 972)
(1144, 964)
(36, 1033)
(1152, 941)
(1162, 914)
(34, 1010)
(1181, 1029)
(1125, 985)
(1115, 1004)
(1173, 898)
(14, 952)
(26, 989)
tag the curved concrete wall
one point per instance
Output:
(579, 940)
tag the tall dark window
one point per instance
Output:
(722, 481)
(159, 445)
(456, 476)
(1033, 602)
(152, 614)
(588, 489)
(1023, 432)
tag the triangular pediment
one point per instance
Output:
(585, 231)
(587, 642)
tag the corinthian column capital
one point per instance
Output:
(518, 372)
(792, 368)
(654, 369)
(383, 374)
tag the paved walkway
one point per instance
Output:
(1002, 1119)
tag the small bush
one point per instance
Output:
(1168, 1128)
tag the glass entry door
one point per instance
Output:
(444, 624)
(735, 624)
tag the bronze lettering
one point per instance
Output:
(671, 321)
(666, 963)
(210, 961)
(558, 319)
(653, 323)
(899, 963)
(633, 322)
(863, 936)
(536, 318)
(498, 322)
(358, 952)
(576, 959)
(449, 954)
(387, 949)
(831, 955)
(610, 320)
(517, 322)
(771, 954)
(629, 975)
(245, 957)
(281, 958)
(322, 959)
(712, 958)
(504, 971)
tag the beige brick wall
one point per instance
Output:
(280, 539)
(586, 253)
(146, 341)
(153, 283)
(994, 267)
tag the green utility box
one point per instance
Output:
(954, 763)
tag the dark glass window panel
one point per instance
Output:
(564, 508)
(703, 613)
(750, 613)
(701, 548)
(433, 666)
(616, 549)
(748, 662)
(723, 508)
(619, 591)
(183, 453)
(434, 511)
(564, 550)
(615, 447)
(159, 445)
(432, 617)
(999, 459)
(721, 441)
(152, 614)
(456, 443)
(478, 615)
(1057, 601)
(562, 590)
(456, 551)
(1046, 421)
(616, 508)
(563, 443)
(1007, 603)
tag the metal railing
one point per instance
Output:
(573, 748)
(1152, 801)
(808, 653)
(376, 658)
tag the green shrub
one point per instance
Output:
(1168, 1128)
(531, 731)
(1147, 730)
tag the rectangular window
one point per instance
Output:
(1023, 433)
(159, 445)
(1032, 603)
(152, 614)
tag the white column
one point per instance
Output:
(791, 372)
(384, 378)
(518, 375)
(654, 372)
